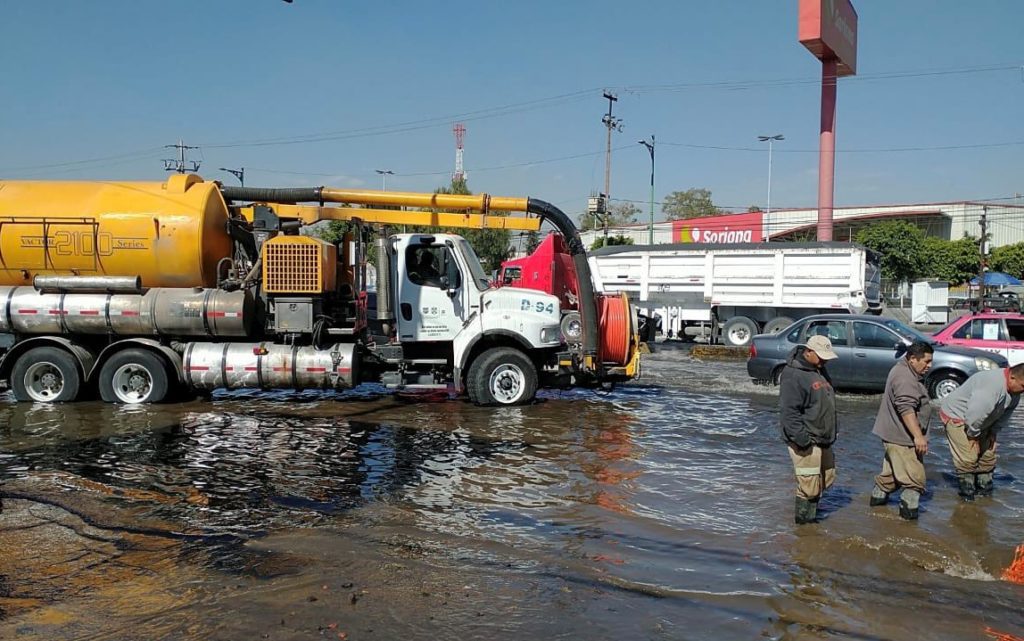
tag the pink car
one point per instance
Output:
(999, 333)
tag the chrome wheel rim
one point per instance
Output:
(507, 384)
(132, 383)
(44, 382)
(738, 335)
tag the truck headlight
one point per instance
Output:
(572, 327)
(984, 363)
(551, 334)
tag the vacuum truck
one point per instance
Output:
(140, 291)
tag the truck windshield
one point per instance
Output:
(476, 270)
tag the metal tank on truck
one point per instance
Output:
(139, 291)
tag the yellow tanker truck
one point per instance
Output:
(140, 291)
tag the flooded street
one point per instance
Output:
(661, 510)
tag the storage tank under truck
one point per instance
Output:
(139, 290)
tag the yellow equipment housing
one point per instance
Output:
(299, 265)
(172, 233)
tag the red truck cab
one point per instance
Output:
(548, 269)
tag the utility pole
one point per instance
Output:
(650, 224)
(611, 122)
(180, 164)
(237, 173)
(983, 247)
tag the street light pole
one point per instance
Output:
(768, 213)
(650, 224)
(384, 173)
(237, 173)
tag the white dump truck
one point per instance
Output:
(729, 292)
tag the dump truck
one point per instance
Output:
(139, 292)
(725, 292)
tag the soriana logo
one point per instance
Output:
(737, 228)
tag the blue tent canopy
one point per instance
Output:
(996, 279)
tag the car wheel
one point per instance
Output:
(738, 331)
(945, 383)
(777, 324)
(776, 379)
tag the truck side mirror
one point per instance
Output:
(450, 279)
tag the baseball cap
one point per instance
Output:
(822, 347)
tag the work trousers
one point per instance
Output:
(901, 468)
(966, 459)
(815, 469)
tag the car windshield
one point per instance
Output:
(477, 274)
(908, 333)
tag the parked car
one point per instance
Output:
(1002, 301)
(866, 346)
(1002, 334)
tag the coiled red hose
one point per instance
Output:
(615, 325)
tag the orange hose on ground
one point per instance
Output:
(1015, 572)
(614, 325)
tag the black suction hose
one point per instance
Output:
(588, 303)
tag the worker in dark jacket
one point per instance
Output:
(902, 424)
(807, 416)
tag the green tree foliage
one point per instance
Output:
(612, 240)
(692, 203)
(901, 246)
(953, 261)
(532, 241)
(618, 214)
(753, 209)
(1009, 259)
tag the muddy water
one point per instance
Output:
(661, 510)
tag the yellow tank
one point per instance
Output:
(171, 234)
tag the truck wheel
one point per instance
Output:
(738, 331)
(501, 376)
(134, 376)
(777, 324)
(945, 383)
(46, 375)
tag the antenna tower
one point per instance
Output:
(460, 133)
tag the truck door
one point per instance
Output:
(431, 291)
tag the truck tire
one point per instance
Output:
(738, 331)
(134, 376)
(501, 376)
(942, 384)
(777, 324)
(46, 375)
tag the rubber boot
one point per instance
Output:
(806, 511)
(878, 497)
(967, 488)
(983, 484)
(909, 500)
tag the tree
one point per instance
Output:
(612, 240)
(692, 203)
(1009, 259)
(753, 209)
(953, 261)
(618, 214)
(532, 241)
(901, 245)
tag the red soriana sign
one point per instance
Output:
(737, 228)
(828, 28)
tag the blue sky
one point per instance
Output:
(358, 86)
